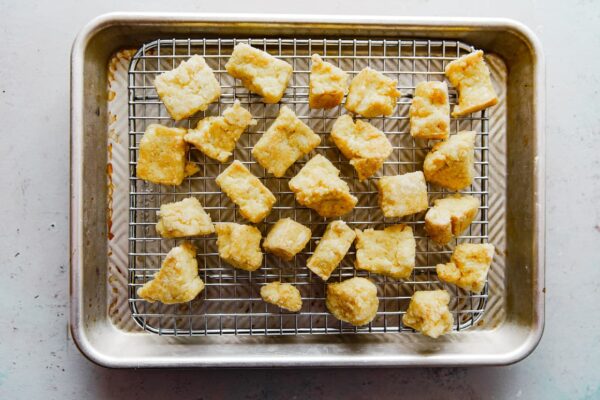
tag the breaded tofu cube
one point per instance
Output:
(372, 94)
(451, 163)
(430, 111)
(449, 217)
(468, 266)
(177, 281)
(353, 300)
(239, 245)
(470, 76)
(428, 313)
(390, 252)
(187, 89)
(216, 136)
(286, 238)
(327, 85)
(259, 72)
(402, 195)
(162, 156)
(282, 295)
(247, 191)
(362, 143)
(318, 186)
(183, 218)
(332, 248)
(286, 140)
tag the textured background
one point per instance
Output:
(37, 357)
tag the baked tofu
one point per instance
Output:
(449, 217)
(428, 313)
(451, 163)
(318, 186)
(183, 218)
(246, 190)
(285, 142)
(162, 155)
(430, 111)
(468, 266)
(327, 85)
(260, 72)
(353, 300)
(239, 245)
(390, 252)
(372, 94)
(286, 238)
(217, 136)
(364, 145)
(282, 295)
(332, 248)
(470, 76)
(402, 195)
(187, 89)
(177, 281)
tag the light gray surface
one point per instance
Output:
(37, 360)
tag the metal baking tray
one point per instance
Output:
(234, 328)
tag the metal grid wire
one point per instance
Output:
(231, 302)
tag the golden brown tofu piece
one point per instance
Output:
(372, 94)
(430, 111)
(282, 295)
(468, 266)
(162, 157)
(239, 245)
(402, 195)
(183, 218)
(286, 238)
(353, 300)
(428, 313)
(332, 248)
(451, 163)
(449, 217)
(328, 84)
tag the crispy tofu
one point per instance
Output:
(282, 295)
(364, 145)
(390, 252)
(247, 191)
(372, 94)
(327, 85)
(468, 266)
(430, 111)
(428, 313)
(216, 136)
(162, 156)
(471, 77)
(402, 195)
(449, 217)
(332, 248)
(318, 186)
(239, 245)
(259, 72)
(187, 89)
(451, 163)
(183, 218)
(285, 142)
(177, 281)
(286, 238)
(353, 300)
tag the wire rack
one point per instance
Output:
(231, 303)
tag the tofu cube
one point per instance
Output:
(318, 186)
(390, 252)
(468, 266)
(187, 89)
(470, 76)
(402, 195)
(259, 72)
(239, 245)
(285, 142)
(449, 217)
(286, 238)
(327, 85)
(162, 155)
(372, 94)
(183, 218)
(353, 300)
(430, 111)
(282, 295)
(364, 145)
(428, 313)
(246, 190)
(451, 163)
(217, 136)
(332, 248)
